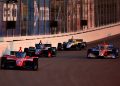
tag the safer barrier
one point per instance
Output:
(8, 44)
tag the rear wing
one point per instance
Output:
(79, 40)
(13, 52)
(48, 45)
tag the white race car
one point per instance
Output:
(72, 44)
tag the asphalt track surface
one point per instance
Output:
(69, 68)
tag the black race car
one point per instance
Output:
(42, 50)
(72, 44)
(103, 51)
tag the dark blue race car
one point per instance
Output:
(103, 51)
(41, 50)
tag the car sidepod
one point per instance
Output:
(112, 53)
(31, 63)
(50, 52)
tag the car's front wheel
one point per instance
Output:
(35, 67)
(35, 64)
(90, 55)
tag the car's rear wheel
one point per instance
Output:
(60, 46)
(3, 63)
(115, 53)
(78, 47)
(26, 49)
(54, 51)
(84, 44)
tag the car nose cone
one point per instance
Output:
(19, 62)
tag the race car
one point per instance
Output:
(19, 60)
(72, 44)
(42, 50)
(103, 51)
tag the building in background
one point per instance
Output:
(106, 12)
(43, 17)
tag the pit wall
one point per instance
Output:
(8, 44)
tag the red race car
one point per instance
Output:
(19, 60)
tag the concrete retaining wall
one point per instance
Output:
(13, 43)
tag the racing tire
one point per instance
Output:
(60, 46)
(79, 47)
(35, 64)
(84, 44)
(88, 56)
(113, 57)
(54, 51)
(3, 63)
(91, 56)
(115, 53)
(64, 46)
(26, 50)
